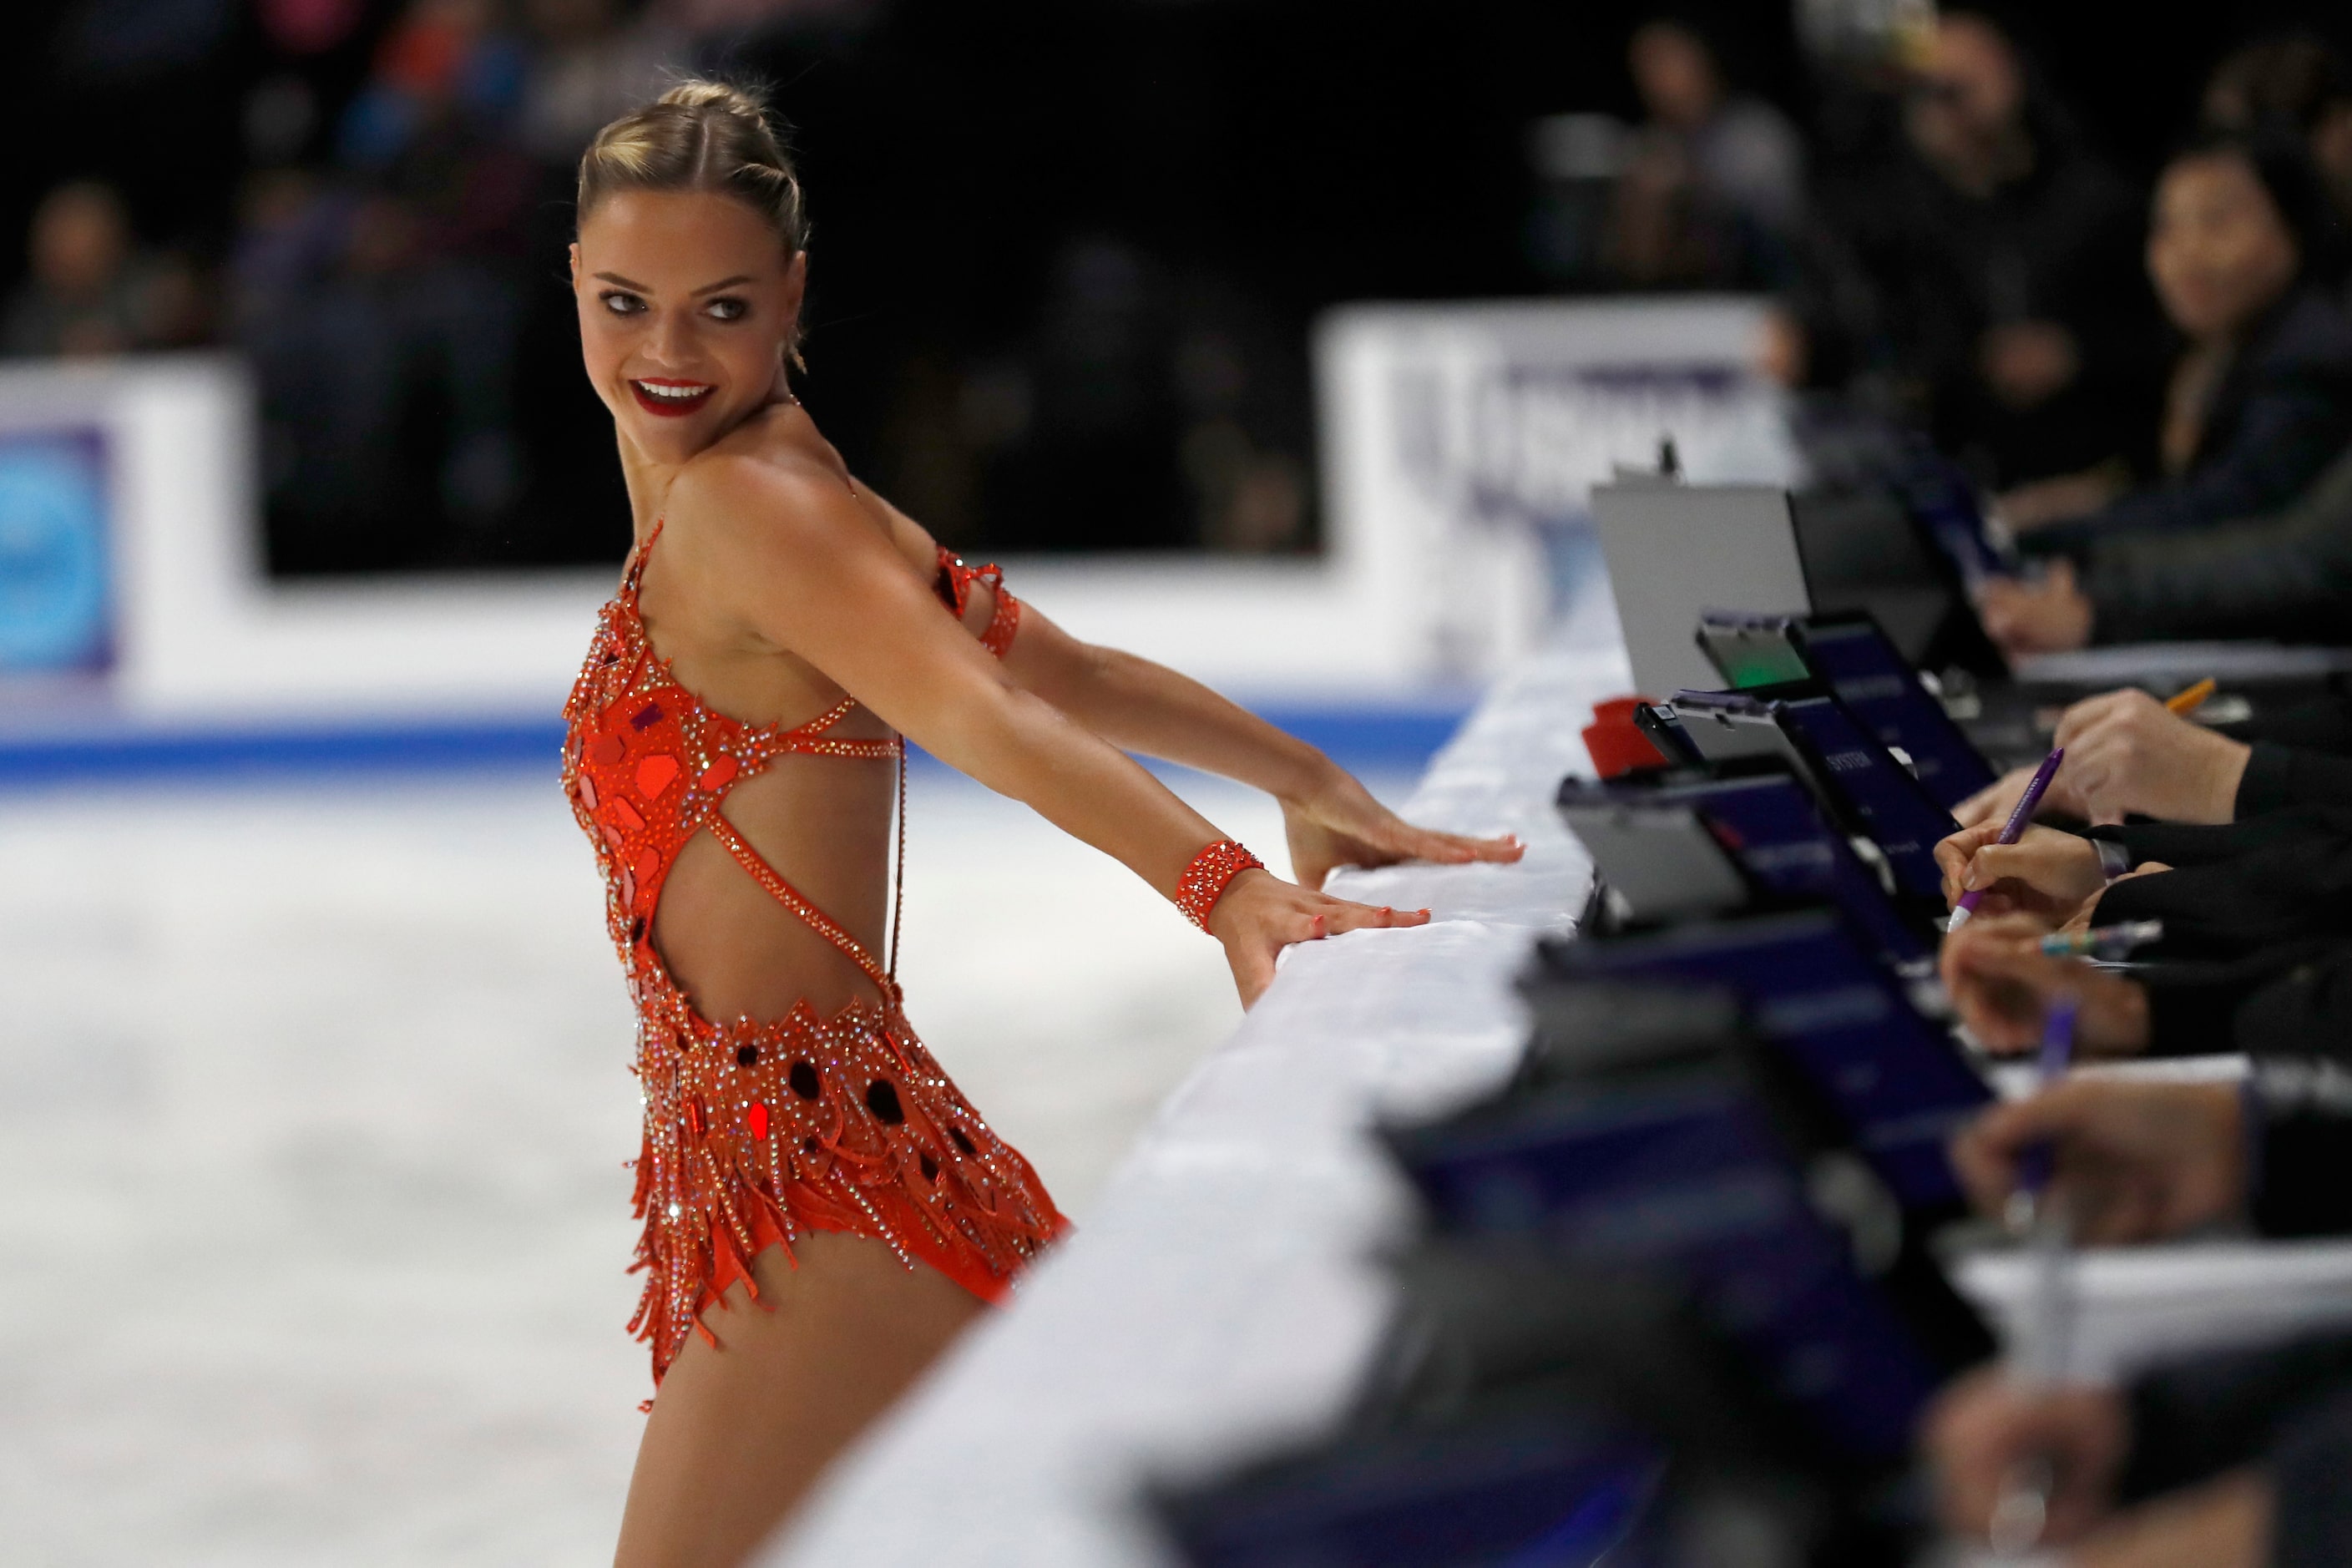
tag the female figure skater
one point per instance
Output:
(824, 1212)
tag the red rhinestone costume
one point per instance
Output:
(755, 1132)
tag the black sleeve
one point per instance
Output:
(2184, 844)
(2304, 1011)
(2190, 1015)
(2280, 777)
(2223, 912)
(2192, 1419)
(2311, 1479)
(2253, 1004)
(2299, 1127)
(2292, 427)
(2289, 882)
(2287, 577)
(2321, 724)
(2302, 754)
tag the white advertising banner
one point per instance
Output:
(1461, 444)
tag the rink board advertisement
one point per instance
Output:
(57, 589)
(1467, 439)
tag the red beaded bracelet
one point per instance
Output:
(1204, 881)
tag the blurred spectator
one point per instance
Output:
(1712, 187)
(2259, 399)
(444, 59)
(90, 291)
(1243, 457)
(289, 230)
(721, 16)
(1151, 408)
(1988, 266)
(2297, 83)
(308, 26)
(382, 308)
(435, 121)
(591, 67)
(1094, 451)
(384, 386)
(2287, 577)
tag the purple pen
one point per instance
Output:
(2040, 1350)
(2036, 1161)
(2011, 829)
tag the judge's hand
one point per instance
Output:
(2002, 983)
(2126, 753)
(2045, 872)
(1987, 1426)
(2059, 498)
(2226, 1522)
(2049, 617)
(1994, 803)
(2027, 363)
(2134, 1161)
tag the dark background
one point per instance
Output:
(1068, 199)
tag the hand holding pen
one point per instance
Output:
(2045, 872)
(2011, 830)
(1979, 1428)
(2130, 753)
(2002, 983)
(2136, 1161)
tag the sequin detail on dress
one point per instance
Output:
(755, 1132)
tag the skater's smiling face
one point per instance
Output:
(689, 303)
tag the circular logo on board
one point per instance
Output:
(53, 576)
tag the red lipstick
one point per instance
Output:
(661, 396)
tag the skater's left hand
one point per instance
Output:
(1340, 824)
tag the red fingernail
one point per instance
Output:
(1386, 911)
(1318, 925)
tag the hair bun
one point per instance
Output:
(702, 92)
(701, 135)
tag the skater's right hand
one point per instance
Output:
(1259, 914)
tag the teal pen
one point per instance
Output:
(2108, 942)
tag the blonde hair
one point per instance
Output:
(702, 135)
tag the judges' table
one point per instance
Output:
(1222, 1298)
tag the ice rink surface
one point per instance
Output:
(314, 1105)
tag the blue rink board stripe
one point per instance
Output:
(1360, 736)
